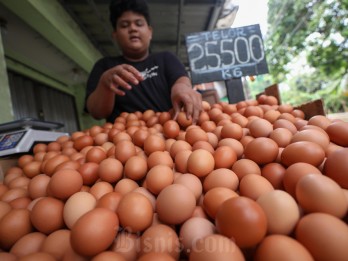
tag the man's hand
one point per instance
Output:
(119, 78)
(183, 96)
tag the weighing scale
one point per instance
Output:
(21, 135)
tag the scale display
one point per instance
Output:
(20, 136)
(10, 141)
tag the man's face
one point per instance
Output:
(133, 34)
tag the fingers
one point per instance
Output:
(192, 103)
(122, 76)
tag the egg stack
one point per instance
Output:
(253, 180)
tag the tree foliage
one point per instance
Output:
(315, 31)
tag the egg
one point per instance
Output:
(192, 182)
(216, 247)
(222, 177)
(175, 204)
(64, 183)
(254, 185)
(281, 247)
(127, 245)
(303, 151)
(47, 215)
(27, 244)
(214, 198)
(244, 166)
(57, 243)
(108, 255)
(224, 157)
(319, 193)
(77, 205)
(14, 225)
(94, 232)
(338, 133)
(200, 163)
(242, 219)
(261, 150)
(281, 210)
(160, 239)
(110, 170)
(336, 167)
(316, 230)
(135, 212)
(194, 229)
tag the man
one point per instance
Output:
(138, 80)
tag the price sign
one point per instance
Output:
(226, 53)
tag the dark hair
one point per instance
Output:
(118, 7)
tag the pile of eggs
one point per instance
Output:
(250, 181)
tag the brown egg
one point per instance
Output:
(303, 151)
(283, 123)
(195, 134)
(181, 159)
(234, 144)
(77, 205)
(281, 210)
(110, 169)
(224, 157)
(281, 136)
(125, 185)
(168, 243)
(213, 199)
(229, 251)
(126, 244)
(179, 145)
(24, 160)
(194, 229)
(222, 177)
(38, 256)
(47, 215)
(82, 142)
(124, 149)
(4, 208)
(21, 202)
(14, 193)
(19, 182)
(192, 182)
(31, 169)
(243, 167)
(260, 128)
(175, 204)
(205, 145)
(135, 168)
(154, 143)
(274, 173)
(261, 150)
(171, 129)
(57, 243)
(144, 191)
(320, 121)
(281, 247)
(29, 243)
(94, 232)
(232, 130)
(294, 172)
(313, 135)
(135, 212)
(243, 219)
(336, 167)
(49, 166)
(200, 163)
(338, 133)
(89, 172)
(65, 183)
(108, 256)
(316, 230)
(14, 225)
(254, 185)
(96, 154)
(160, 158)
(159, 177)
(319, 193)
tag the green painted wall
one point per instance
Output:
(6, 112)
(51, 21)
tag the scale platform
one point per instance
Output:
(20, 136)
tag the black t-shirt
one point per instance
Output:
(160, 71)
